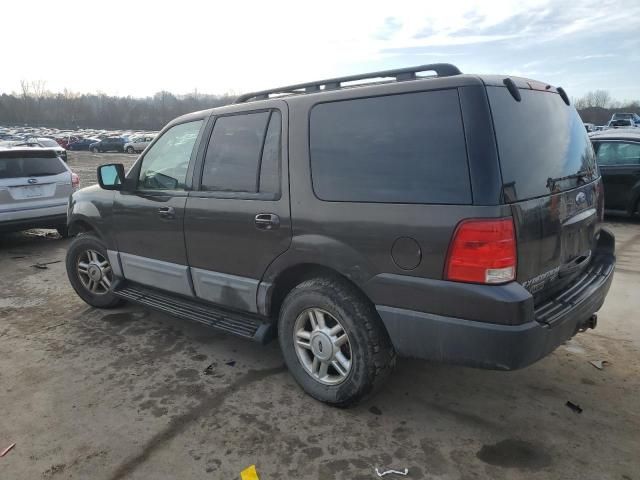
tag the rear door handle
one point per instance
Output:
(167, 212)
(267, 221)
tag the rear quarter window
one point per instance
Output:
(407, 148)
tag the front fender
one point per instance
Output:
(92, 208)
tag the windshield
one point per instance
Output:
(46, 142)
(542, 143)
(13, 167)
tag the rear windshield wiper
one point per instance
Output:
(585, 175)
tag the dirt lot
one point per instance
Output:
(90, 394)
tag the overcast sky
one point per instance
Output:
(138, 48)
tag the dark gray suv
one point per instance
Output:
(450, 217)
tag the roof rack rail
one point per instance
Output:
(400, 74)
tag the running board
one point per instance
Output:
(242, 325)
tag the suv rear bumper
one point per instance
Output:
(491, 345)
(50, 217)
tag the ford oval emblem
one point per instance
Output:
(32, 180)
(581, 198)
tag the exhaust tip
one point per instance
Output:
(591, 322)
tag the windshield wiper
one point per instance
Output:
(584, 175)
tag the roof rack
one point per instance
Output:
(400, 74)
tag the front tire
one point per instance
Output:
(90, 273)
(94, 150)
(130, 150)
(333, 341)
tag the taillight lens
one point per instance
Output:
(75, 181)
(482, 251)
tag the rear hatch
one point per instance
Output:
(31, 179)
(552, 184)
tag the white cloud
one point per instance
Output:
(142, 47)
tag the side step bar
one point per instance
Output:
(243, 325)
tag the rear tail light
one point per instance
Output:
(482, 251)
(75, 181)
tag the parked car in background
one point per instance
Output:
(35, 185)
(109, 144)
(621, 123)
(618, 157)
(82, 144)
(45, 143)
(414, 217)
(634, 117)
(66, 140)
(589, 127)
(138, 144)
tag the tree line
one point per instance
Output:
(36, 106)
(597, 107)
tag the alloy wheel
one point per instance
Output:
(94, 272)
(322, 346)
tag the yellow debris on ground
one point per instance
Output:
(249, 473)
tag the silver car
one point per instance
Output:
(35, 185)
(138, 144)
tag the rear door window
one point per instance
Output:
(618, 153)
(407, 148)
(244, 154)
(17, 167)
(542, 143)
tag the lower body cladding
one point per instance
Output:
(498, 346)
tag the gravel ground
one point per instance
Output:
(90, 394)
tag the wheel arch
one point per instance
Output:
(272, 294)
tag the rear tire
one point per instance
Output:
(331, 368)
(85, 256)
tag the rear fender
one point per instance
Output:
(318, 250)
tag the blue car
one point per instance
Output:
(82, 144)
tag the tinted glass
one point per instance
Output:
(270, 165)
(542, 144)
(618, 153)
(406, 148)
(233, 155)
(30, 167)
(164, 167)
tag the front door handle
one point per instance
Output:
(167, 212)
(267, 221)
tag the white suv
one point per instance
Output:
(138, 144)
(35, 185)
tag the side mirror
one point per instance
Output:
(111, 176)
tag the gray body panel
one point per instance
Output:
(223, 289)
(163, 275)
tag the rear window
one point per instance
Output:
(48, 143)
(543, 145)
(407, 148)
(14, 167)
